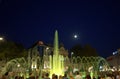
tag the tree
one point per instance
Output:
(10, 50)
(76, 50)
(87, 51)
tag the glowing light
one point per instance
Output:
(75, 36)
(47, 48)
(90, 69)
(57, 62)
(75, 69)
(101, 67)
(72, 53)
(18, 65)
(115, 52)
(1, 38)
(33, 66)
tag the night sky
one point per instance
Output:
(95, 22)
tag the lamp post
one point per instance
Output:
(71, 55)
(18, 69)
(118, 54)
(1, 38)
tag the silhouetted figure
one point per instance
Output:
(78, 76)
(60, 77)
(53, 75)
(47, 76)
(88, 77)
(56, 77)
(65, 76)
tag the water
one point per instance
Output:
(53, 64)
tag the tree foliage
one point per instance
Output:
(86, 50)
(9, 50)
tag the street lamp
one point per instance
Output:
(1, 38)
(71, 55)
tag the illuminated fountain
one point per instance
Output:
(89, 65)
(54, 63)
(17, 66)
(57, 60)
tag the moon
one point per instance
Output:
(75, 36)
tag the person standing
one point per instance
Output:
(78, 76)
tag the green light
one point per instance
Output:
(56, 63)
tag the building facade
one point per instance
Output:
(114, 60)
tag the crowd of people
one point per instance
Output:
(76, 75)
